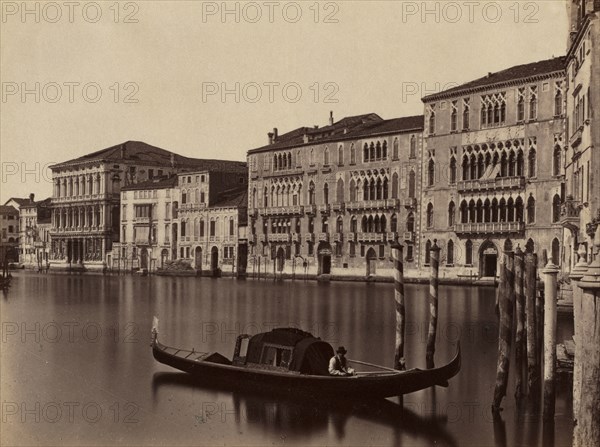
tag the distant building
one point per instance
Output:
(9, 234)
(331, 200)
(212, 206)
(493, 168)
(86, 199)
(580, 214)
(35, 233)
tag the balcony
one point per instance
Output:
(323, 237)
(569, 214)
(325, 209)
(372, 205)
(371, 237)
(392, 236)
(491, 184)
(309, 237)
(284, 172)
(490, 228)
(338, 207)
(296, 237)
(338, 237)
(410, 203)
(311, 210)
(292, 210)
(575, 139)
(351, 237)
(279, 237)
(408, 236)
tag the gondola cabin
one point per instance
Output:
(285, 350)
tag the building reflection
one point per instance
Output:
(305, 418)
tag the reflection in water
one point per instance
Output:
(307, 417)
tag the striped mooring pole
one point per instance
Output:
(433, 302)
(399, 361)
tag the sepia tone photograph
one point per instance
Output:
(305, 223)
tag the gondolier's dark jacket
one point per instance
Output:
(337, 366)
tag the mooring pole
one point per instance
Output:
(433, 302)
(578, 272)
(399, 362)
(587, 430)
(506, 303)
(533, 362)
(539, 309)
(520, 332)
(550, 273)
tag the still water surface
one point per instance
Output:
(77, 368)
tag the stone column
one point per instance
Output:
(550, 273)
(587, 364)
(577, 273)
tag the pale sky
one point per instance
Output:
(375, 56)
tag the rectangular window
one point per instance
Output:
(409, 253)
(212, 228)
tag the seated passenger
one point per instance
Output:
(338, 366)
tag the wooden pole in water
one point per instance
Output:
(587, 430)
(506, 301)
(533, 361)
(399, 362)
(539, 308)
(550, 273)
(433, 302)
(520, 332)
(578, 272)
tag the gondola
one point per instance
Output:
(291, 361)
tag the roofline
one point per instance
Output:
(509, 83)
(313, 143)
(578, 37)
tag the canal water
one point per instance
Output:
(77, 368)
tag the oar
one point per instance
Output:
(373, 365)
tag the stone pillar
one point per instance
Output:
(550, 273)
(587, 429)
(577, 273)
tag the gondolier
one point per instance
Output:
(338, 365)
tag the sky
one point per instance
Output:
(211, 79)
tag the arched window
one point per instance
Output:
(325, 225)
(378, 151)
(339, 227)
(395, 185)
(366, 153)
(326, 157)
(384, 150)
(411, 184)
(431, 173)
(395, 149)
(266, 198)
(430, 215)
(312, 157)
(275, 163)
(464, 212)
(428, 252)
(558, 102)
(183, 228)
(556, 161)
(432, 122)
(555, 252)
(469, 252)
(410, 222)
(520, 163)
(413, 147)
(532, 163)
(340, 191)
(452, 176)
(529, 246)
(372, 152)
(451, 212)
(556, 208)
(341, 155)
(311, 193)
(201, 227)
(364, 224)
(465, 167)
(394, 223)
(353, 225)
(385, 189)
(352, 155)
(352, 191)
(326, 194)
(450, 253)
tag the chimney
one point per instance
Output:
(31, 197)
(275, 134)
(331, 118)
(172, 160)
(305, 138)
(270, 135)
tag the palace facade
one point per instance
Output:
(493, 168)
(581, 211)
(331, 200)
(86, 198)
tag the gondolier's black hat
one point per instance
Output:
(341, 350)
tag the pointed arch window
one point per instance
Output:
(352, 155)
(326, 157)
(430, 215)
(452, 176)
(556, 164)
(556, 208)
(394, 223)
(413, 147)
(341, 155)
(326, 194)
(411, 184)
(428, 252)
(469, 252)
(450, 253)
(340, 191)
(395, 185)
(532, 163)
(431, 172)
(451, 213)
(395, 149)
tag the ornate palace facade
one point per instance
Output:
(581, 210)
(493, 168)
(331, 200)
